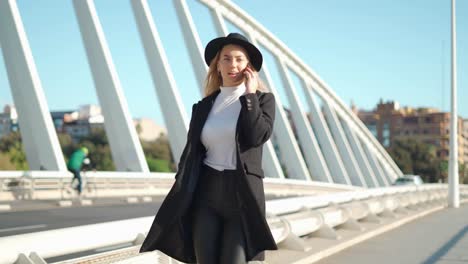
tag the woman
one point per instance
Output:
(215, 211)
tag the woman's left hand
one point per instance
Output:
(251, 80)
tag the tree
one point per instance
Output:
(416, 157)
(12, 147)
(158, 165)
(9, 141)
(101, 157)
(18, 157)
(401, 156)
(158, 152)
(66, 143)
(99, 150)
(464, 173)
(158, 149)
(5, 162)
(443, 170)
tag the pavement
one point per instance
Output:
(438, 238)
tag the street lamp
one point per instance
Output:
(454, 193)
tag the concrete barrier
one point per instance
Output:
(289, 219)
(71, 240)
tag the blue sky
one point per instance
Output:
(365, 50)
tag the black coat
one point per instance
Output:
(171, 230)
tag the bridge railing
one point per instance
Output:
(28, 185)
(289, 219)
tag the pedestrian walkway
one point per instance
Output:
(441, 237)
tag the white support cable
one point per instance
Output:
(170, 100)
(372, 149)
(270, 161)
(373, 161)
(291, 155)
(314, 158)
(328, 146)
(349, 160)
(192, 41)
(218, 21)
(125, 146)
(353, 121)
(381, 169)
(38, 134)
(360, 155)
(390, 176)
(359, 127)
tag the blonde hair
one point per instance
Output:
(213, 79)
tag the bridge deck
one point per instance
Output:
(441, 237)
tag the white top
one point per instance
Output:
(219, 132)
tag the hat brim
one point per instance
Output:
(215, 45)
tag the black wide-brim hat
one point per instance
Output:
(215, 45)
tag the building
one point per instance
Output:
(58, 119)
(148, 130)
(80, 123)
(87, 118)
(379, 121)
(390, 122)
(465, 139)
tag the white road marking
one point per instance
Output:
(22, 228)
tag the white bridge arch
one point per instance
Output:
(331, 143)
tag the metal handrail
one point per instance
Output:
(320, 206)
(54, 185)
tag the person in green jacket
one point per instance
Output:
(74, 165)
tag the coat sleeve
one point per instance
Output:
(187, 147)
(257, 117)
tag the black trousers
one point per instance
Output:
(217, 231)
